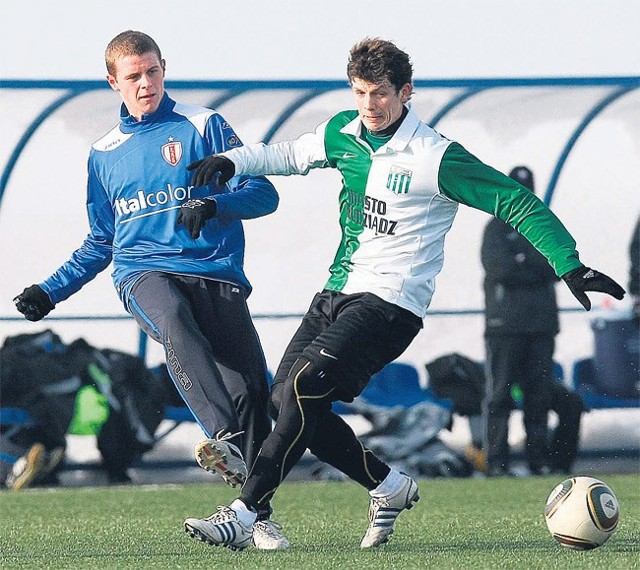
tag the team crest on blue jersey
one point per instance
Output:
(399, 179)
(172, 152)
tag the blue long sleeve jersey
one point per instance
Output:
(137, 181)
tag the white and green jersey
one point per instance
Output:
(398, 202)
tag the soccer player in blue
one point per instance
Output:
(177, 254)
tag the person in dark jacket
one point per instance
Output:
(634, 270)
(521, 323)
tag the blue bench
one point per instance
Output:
(584, 384)
(16, 418)
(397, 384)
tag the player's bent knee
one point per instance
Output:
(308, 379)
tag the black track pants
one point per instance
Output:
(213, 352)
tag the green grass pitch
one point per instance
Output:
(458, 523)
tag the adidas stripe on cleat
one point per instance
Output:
(383, 512)
(222, 528)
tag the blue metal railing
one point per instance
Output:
(143, 339)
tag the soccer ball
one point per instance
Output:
(582, 513)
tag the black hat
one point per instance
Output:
(523, 175)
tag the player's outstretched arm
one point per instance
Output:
(583, 279)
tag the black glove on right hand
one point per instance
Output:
(586, 279)
(206, 169)
(194, 214)
(33, 303)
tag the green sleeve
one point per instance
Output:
(465, 179)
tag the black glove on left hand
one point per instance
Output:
(34, 303)
(195, 213)
(585, 279)
(207, 168)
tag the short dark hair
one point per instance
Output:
(374, 60)
(126, 43)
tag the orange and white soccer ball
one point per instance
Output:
(582, 513)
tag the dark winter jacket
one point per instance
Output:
(519, 284)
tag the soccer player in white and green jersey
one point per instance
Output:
(402, 184)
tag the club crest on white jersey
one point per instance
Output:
(399, 179)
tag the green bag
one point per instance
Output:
(90, 413)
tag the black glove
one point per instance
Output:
(195, 213)
(585, 279)
(206, 169)
(33, 303)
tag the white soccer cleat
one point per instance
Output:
(222, 528)
(267, 535)
(221, 457)
(383, 512)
